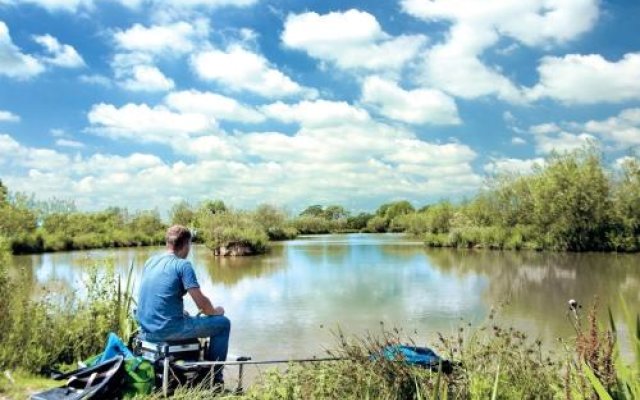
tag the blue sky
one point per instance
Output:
(143, 103)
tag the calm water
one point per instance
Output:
(287, 303)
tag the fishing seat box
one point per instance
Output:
(186, 350)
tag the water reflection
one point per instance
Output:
(536, 286)
(285, 303)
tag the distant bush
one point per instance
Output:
(233, 227)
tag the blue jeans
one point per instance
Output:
(215, 327)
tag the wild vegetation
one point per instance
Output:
(572, 203)
(55, 326)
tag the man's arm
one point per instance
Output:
(203, 303)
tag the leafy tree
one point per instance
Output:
(215, 206)
(313, 211)
(393, 209)
(335, 212)
(182, 213)
(571, 201)
(359, 222)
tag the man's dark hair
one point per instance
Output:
(177, 237)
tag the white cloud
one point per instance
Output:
(455, 65)
(61, 55)
(418, 106)
(562, 142)
(317, 113)
(146, 124)
(620, 132)
(96, 79)
(513, 165)
(552, 137)
(60, 5)
(518, 140)
(137, 72)
(588, 79)
(214, 105)
(176, 38)
(542, 129)
(14, 63)
(338, 153)
(240, 69)
(75, 5)
(533, 23)
(351, 39)
(145, 78)
(69, 143)
(29, 157)
(623, 129)
(8, 116)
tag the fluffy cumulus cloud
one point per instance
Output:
(214, 105)
(57, 5)
(240, 69)
(175, 38)
(90, 5)
(140, 122)
(505, 165)
(418, 106)
(137, 72)
(317, 113)
(588, 79)
(8, 116)
(13, 62)
(456, 65)
(619, 132)
(58, 54)
(146, 78)
(336, 153)
(552, 137)
(623, 130)
(276, 174)
(350, 39)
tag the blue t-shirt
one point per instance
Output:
(165, 281)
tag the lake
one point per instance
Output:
(289, 302)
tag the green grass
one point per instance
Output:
(18, 385)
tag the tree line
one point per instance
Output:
(572, 202)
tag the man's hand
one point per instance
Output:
(218, 310)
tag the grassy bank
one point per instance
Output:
(47, 326)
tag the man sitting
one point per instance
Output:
(166, 279)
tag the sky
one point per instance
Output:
(145, 103)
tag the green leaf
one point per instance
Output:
(595, 382)
(494, 394)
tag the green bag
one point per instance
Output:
(140, 377)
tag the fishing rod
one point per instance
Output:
(266, 362)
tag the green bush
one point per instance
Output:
(226, 228)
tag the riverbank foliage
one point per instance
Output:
(490, 362)
(46, 326)
(572, 202)
(34, 227)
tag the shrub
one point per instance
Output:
(222, 229)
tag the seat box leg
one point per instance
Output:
(165, 377)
